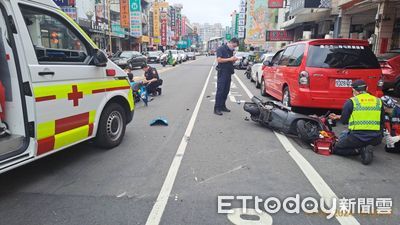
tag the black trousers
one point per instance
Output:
(152, 87)
(223, 89)
(347, 145)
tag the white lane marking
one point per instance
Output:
(308, 170)
(162, 199)
(248, 92)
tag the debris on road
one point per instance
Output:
(160, 121)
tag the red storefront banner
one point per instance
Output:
(164, 23)
(125, 14)
(184, 26)
(279, 35)
(275, 3)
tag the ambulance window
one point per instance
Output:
(54, 42)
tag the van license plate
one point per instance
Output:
(343, 83)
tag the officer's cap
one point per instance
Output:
(359, 85)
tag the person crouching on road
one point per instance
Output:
(153, 81)
(225, 70)
(364, 115)
(128, 72)
(392, 124)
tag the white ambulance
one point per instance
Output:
(58, 88)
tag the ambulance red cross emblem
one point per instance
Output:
(75, 95)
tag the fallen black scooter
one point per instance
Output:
(275, 115)
(313, 130)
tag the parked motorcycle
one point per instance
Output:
(167, 59)
(247, 73)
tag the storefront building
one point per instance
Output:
(375, 21)
(307, 19)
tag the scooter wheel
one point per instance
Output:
(308, 131)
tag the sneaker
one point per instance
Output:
(367, 155)
(159, 91)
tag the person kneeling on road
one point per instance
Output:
(364, 114)
(153, 81)
(392, 124)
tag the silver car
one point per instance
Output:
(257, 68)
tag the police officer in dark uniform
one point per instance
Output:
(225, 70)
(153, 81)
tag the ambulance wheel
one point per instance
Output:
(112, 127)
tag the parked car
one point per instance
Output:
(191, 55)
(390, 64)
(258, 68)
(154, 56)
(243, 61)
(319, 73)
(183, 55)
(129, 59)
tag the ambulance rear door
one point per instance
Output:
(18, 146)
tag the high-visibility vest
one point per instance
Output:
(366, 114)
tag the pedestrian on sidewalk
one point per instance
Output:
(225, 70)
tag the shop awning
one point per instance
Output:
(349, 4)
(298, 20)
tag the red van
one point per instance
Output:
(319, 73)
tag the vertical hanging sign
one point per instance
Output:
(156, 20)
(173, 19)
(183, 26)
(136, 18)
(164, 22)
(242, 19)
(179, 23)
(125, 18)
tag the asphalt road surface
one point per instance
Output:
(173, 175)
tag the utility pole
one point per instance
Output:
(109, 25)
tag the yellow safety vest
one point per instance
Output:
(366, 114)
